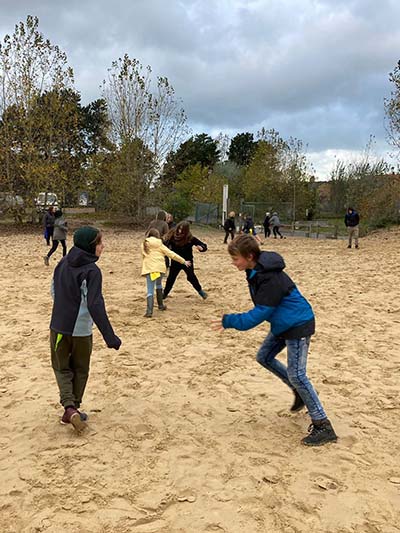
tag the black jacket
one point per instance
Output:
(76, 273)
(229, 224)
(351, 219)
(186, 251)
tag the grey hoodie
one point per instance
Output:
(60, 229)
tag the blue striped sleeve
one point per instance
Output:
(251, 319)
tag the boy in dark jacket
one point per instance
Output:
(278, 301)
(78, 302)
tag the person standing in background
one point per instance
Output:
(352, 220)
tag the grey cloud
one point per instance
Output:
(317, 70)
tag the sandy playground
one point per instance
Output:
(187, 433)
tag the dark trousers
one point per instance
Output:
(70, 359)
(276, 231)
(174, 270)
(48, 233)
(267, 231)
(228, 232)
(55, 246)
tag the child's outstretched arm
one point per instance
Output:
(175, 257)
(248, 320)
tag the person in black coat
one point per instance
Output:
(181, 241)
(230, 227)
(267, 224)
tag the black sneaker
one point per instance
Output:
(349, 246)
(320, 434)
(298, 403)
(356, 246)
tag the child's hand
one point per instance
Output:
(188, 263)
(200, 248)
(216, 325)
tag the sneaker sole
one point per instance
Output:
(319, 443)
(78, 424)
(297, 409)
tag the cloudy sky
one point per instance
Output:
(313, 69)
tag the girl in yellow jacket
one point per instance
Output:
(153, 267)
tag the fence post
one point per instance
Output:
(317, 230)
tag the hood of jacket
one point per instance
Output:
(270, 262)
(77, 257)
(153, 242)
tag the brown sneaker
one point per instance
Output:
(46, 260)
(73, 416)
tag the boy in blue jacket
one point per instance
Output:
(78, 302)
(278, 301)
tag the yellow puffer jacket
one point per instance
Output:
(154, 261)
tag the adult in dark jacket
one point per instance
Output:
(267, 224)
(181, 241)
(278, 301)
(48, 224)
(352, 220)
(78, 302)
(59, 235)
(229, 226)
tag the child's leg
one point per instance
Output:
(174, 270)
(192, 278)
(53, 248)
(64, 247)
(266, 356)
(150, 296)
(80, 363)
(60, 361)
(297, 351)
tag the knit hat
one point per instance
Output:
(84, 238)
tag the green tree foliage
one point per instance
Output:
(30, 67)
(277, 175)
(392, 109)
(242, 148)
(200, 149)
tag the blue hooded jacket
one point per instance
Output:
(277, 300)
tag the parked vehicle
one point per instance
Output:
(46, 199)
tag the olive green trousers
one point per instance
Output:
(70, 359)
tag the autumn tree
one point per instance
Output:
(392, 109)
(30, 67)
(144, 114)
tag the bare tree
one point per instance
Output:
(140, 108)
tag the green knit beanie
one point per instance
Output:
(84, 238)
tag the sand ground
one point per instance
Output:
(187, 433)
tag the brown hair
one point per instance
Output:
(180, 234)
(98, 238)
(153, 232)
(244, 245)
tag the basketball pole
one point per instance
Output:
(225, 194)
